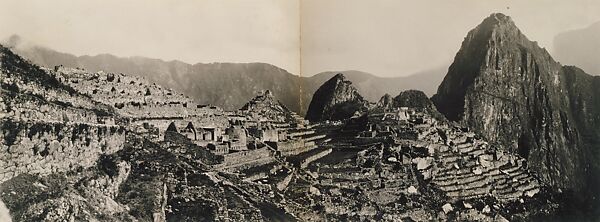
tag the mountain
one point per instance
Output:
(580, 47)
(336, 99)
(227, 85)
(373, 87)
(386, 102)
(418, 100)
(409, 98)
(511, 91)
(414, 99)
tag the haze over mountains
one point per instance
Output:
(229, 85)
(580, 47)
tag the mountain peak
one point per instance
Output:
(498, 18)
(339, 77)
(336, 99)
(495, 27)
(506, 87)
(495, 21)
(483, 47)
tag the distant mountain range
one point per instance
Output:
(338, 99)
(229, 85)
(580, 47)
(372, 87)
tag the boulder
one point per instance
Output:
(412, 190)
(447, 208)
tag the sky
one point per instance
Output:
(399, 38)
(191, 31)
(384, 37)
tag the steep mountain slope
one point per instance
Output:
(580, 47)
(510, 90)
(336, 99)
(228, 85)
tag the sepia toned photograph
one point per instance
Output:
(299, 110)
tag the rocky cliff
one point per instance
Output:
(511, 91)
(336, 99)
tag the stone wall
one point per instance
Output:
(294, 147)
(29, 107)
(312, 158)
(50, 147)
(246, 159)
(132, 96)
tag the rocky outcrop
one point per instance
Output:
(386, 102)
(336, 99)
(88, 195)
(414, 99)
(513, 93)
(418, 100)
